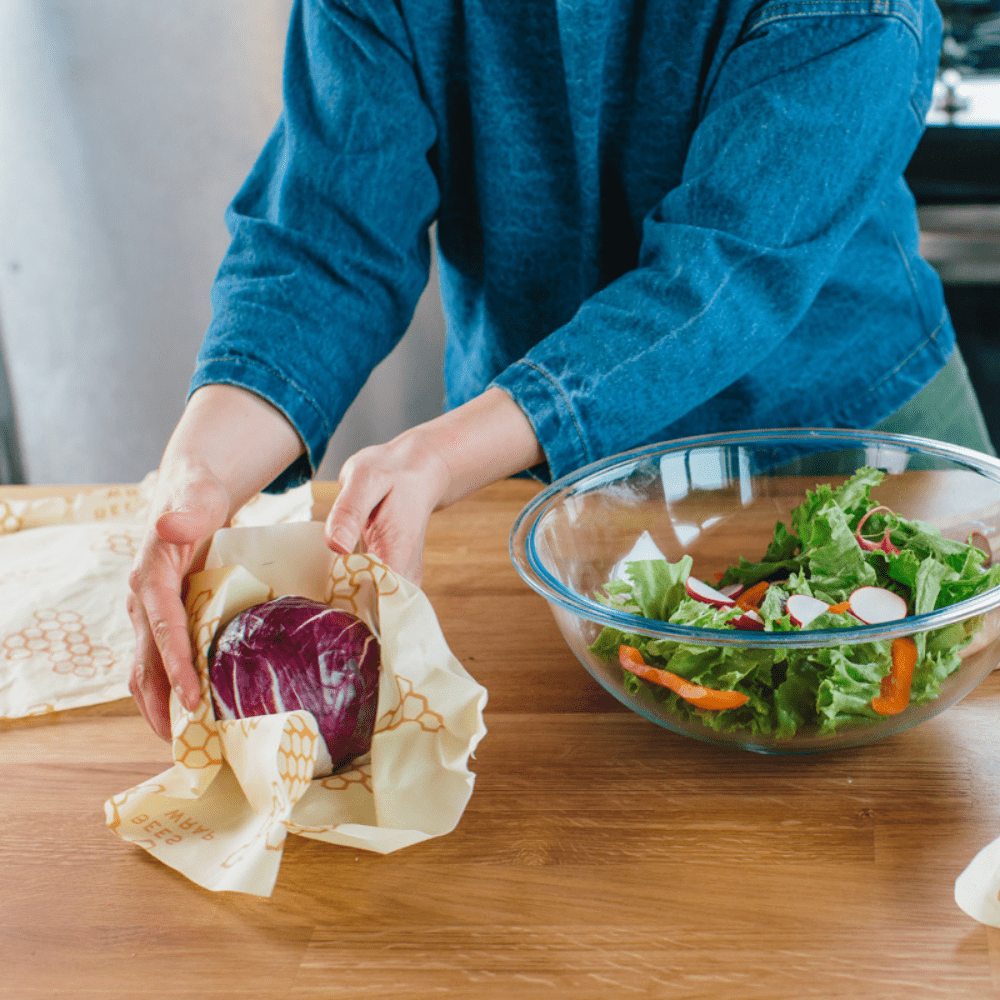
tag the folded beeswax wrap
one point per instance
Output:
(220, 814)
(65, 637)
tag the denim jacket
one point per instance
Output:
(654, 219)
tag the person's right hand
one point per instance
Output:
(188, 506)
(228, 445)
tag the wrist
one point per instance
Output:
(481, 442)
(232, 437)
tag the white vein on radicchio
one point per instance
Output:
(293, 653)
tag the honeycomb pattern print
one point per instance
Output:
(296, 755)
(196, 742)
(122, 543)
(245, 726)
(340, 782)
(9, 521)
(61, 637)
(412, 707)
(347, 583)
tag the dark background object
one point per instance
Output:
(956, 165)
(955, 177)
(11, 467)
(975, 311)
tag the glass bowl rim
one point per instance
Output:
(525, 557)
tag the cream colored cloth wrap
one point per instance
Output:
(65, 637)
(221, 813)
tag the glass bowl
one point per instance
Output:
(717, 498)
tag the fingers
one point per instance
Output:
(163, 647)
(395, 533)
(363, 488)
(147, 681)
(174, 545)
(387, 495)
(168, 626)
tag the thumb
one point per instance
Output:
(361, 494)
(195, 512)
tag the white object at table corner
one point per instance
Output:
(977, 889)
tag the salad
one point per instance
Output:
(843, 561)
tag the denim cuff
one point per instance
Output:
(550, 413)
(299, 408)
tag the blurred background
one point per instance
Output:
(126, 126)
(955, 175)
(125, 129)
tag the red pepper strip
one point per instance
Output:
(701, 697)
(839, 609)
(894, 695)
(752, 596)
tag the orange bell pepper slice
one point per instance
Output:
(751, 597)
(894, 695)
(701, 697)
(839, 609)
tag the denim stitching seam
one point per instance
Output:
(909, 357)
(569, 408)
(276, 374)
(909, 271)
(877, 7)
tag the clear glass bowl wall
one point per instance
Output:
(717, 498)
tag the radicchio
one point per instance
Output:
(294, 653)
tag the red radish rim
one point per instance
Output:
(701, 591)
(869, 544)
(749, 621)
(863, 595)
(821, 607)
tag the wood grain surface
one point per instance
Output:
(600, 856)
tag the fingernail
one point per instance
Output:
(343, 539)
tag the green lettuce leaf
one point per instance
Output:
(658, 585)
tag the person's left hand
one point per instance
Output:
(389, 491)
(387, 495)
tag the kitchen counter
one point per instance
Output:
(600, 856)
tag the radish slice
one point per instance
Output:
(802, 609)
(885, 545)
(875, 605)
(749, 621)
(732, 590)
(980, 541)
(701, 591)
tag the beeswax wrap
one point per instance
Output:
(65, 637)
(221, 813)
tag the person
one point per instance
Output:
(652, 221)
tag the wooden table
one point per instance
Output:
(600, 856)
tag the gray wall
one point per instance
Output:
(125, 128)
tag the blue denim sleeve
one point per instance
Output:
(331, 222)
(806, 120)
